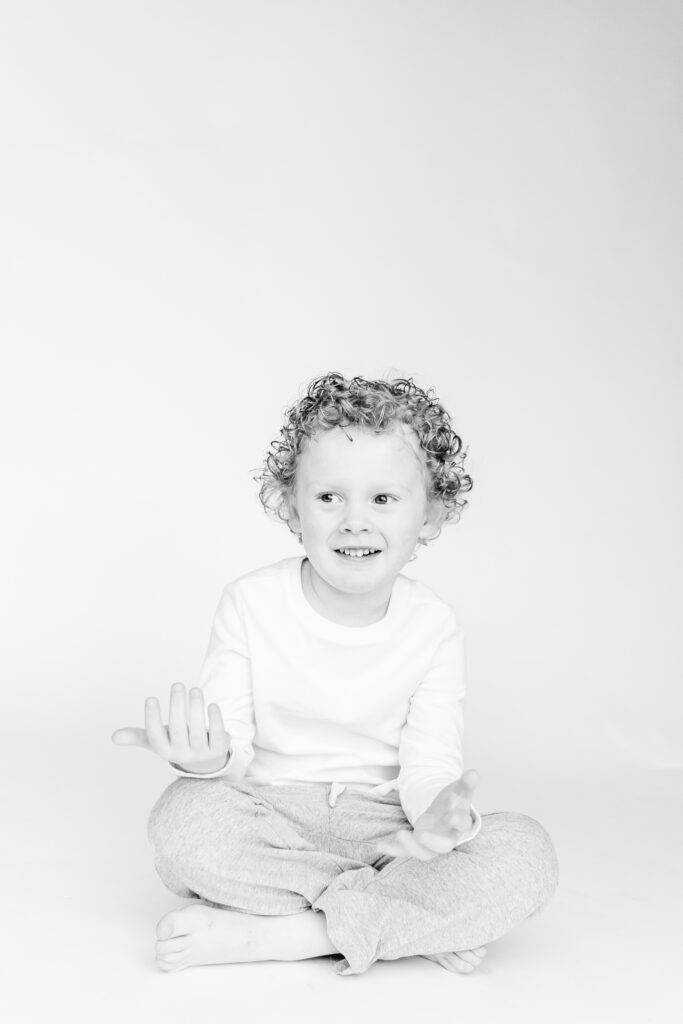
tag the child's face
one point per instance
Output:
(368, 493)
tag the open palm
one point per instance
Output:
(443, 824)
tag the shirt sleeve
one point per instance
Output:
(225, 679)
(430, 744)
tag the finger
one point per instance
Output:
(468, 782)
(197, 730)
(389, 847)
(155, 728)
(438, 842)
(177, 718)
(219, 740)
(410, 846)
(131, 737)
(396, 845)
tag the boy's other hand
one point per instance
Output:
(186, 741)
(442, 825)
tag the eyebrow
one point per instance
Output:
(325, 485)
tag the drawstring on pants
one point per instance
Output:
(335, 789)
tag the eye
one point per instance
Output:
(384, 499)
(327, 497)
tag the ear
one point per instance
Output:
(435, 516)
(293, 520)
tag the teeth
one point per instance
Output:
(357, 552)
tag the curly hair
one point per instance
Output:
(335, 401)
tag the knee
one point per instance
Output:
(194, 815)
(534, 852)
(169, 815)
(540, 855)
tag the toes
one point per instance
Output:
(170, 926)
(178, 944)
(452, 962)
(171, 966)
(172, 958)
(440, 959)
(469, 956)
(463, 961)
(461, 965)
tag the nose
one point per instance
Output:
(355, 520)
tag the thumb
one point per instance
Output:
(469, 781)
(131, 737)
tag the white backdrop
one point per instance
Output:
(205, 205)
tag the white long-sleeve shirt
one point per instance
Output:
(305, 699)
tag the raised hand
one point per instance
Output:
(444, 822)
(186, 741)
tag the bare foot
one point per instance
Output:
(462, 962)
(197, 934)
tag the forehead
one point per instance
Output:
(353, 450)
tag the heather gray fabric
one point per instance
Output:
(264, 849)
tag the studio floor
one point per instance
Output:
(82, 900)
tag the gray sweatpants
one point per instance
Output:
(284, 849)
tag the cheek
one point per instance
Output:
(314, 521)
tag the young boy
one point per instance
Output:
(323, 807)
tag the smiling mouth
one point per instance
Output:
(357, 554)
